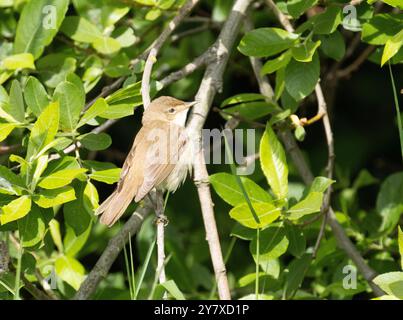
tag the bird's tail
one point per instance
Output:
(115, 205)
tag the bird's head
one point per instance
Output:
(167, 109)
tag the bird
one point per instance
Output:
(159, 157)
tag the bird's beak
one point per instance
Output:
(187, 105)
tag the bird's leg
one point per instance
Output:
(157, 199)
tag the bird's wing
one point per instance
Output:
(161, 157)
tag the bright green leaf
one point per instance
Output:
(60, 178)
(226, 186)
(274, 164)
(15, 210)
(18, 61)
(70, 270)
(309, 205)
(95, 110)
(392, 46)
(108, 176)
(54, 197)
(266, 212)
(44, 129)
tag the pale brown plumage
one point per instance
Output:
(155, 152)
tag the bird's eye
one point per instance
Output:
(172, 110)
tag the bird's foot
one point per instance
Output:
(162, 218)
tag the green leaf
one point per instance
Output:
(400, 242)
(16, 103)
(392, 46)
(381, 28)
(389, 202)
(38, 24)
(297, 242)
(328, 21)
(10, 183)
(60, 178)
(391, 283)
(103, 13)
(296, 274)
(173, 289)
(73, 243)
(54, 197)
(80, 29)
(266, 42)
(309, 205)
(118, 111)
(394, 3)
(266, 212)
(15, 210)
(54, 228)
(298, 7)
(78, 213)
(35, 96)
(333, 45)
(252, 110)
(243, 97)
(94, 111)
(273, 243)
(71, 96)
(95, 141)
(18, 61)
(108, 176)
(304, 52)
(70, 270)
(273, 65)
(319, 184)
(301, 77)
(32, 227)
(226, 186)
(274, 164)
(5, 130)
(44, 130)
(106, 45)
(125, 36)
(54, 68)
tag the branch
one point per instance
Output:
(152, 56)
(210, 84)
(191, 67)
(9, 149)
(346, 72)
(111, 252)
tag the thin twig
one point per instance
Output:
(210, 84)
(189, 68)
(152, 56)
(346, 72)
(111, 252)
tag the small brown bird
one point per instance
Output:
(159, 157)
